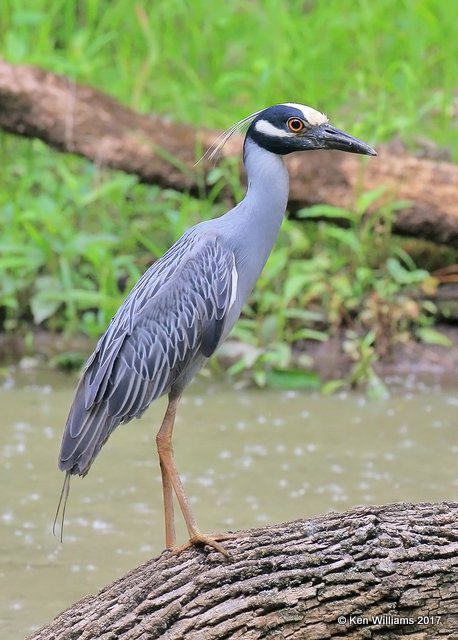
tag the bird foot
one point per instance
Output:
(199, 539)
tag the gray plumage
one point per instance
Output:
(186, 303)
(176, 315)
(170, 323)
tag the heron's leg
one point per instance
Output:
(171, 478)
(164, 442)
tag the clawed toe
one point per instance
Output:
(198, 539)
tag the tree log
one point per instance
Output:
(372, 572)
(87, 122)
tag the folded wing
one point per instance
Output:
(175, 313)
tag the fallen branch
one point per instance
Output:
(384, 572)
(81, 120)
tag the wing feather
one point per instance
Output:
(175, 314)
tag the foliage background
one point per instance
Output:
(73, 237)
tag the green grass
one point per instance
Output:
(380, 67)
(73, 238)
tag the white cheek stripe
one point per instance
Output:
(312, 116)
(266, 127)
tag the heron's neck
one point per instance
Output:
(260, 213)
(268, 184)
(252, 227)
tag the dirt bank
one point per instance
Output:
(438, 364)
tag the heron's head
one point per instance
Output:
(289, 127)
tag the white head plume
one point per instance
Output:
(218, 144)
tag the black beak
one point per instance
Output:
(327, 137)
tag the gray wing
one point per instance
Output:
(175, 313)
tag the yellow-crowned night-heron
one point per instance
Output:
(186, 303)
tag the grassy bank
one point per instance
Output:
(73, 237)
(387, 68)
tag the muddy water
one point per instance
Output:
(247, 458)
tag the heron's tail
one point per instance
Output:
(86, 431)
(62, 503)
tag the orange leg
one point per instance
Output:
(171, 482)
(163, 441)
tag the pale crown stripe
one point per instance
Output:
(312, 116)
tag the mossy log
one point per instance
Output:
(373, 572)
(82, 120)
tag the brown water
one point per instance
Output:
(247, 458)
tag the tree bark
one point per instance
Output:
(372, 572)
(87, 122)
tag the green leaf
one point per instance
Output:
(376, 388)
(369, 197)
(310, 334)
(326, 211)
(306, 315)
(43, 307)
(331, 386)
(403, 275)
(288, 379)
(294, 285)
(345, 237)
(428, 335)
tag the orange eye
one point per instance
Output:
(295, 125)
